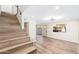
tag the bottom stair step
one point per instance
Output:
(14, 47)
(26, 50)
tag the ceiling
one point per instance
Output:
(44, 13)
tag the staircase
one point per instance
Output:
(12, 39)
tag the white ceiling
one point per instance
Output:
(43, 13)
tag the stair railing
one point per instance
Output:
(18, 10)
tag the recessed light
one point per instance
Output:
(57, 7)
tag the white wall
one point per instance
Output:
(6, 8)
(14, 9)
(78, 31)
(71, 34)
(11, 9)
(32, 30)
(0, 10)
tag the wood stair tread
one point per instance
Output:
(15, 46)
(19, 33)
(16, 38)
(12, 37)
(26, 51)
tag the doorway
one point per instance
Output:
(41, 30)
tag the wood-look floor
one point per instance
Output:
(47, 45)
